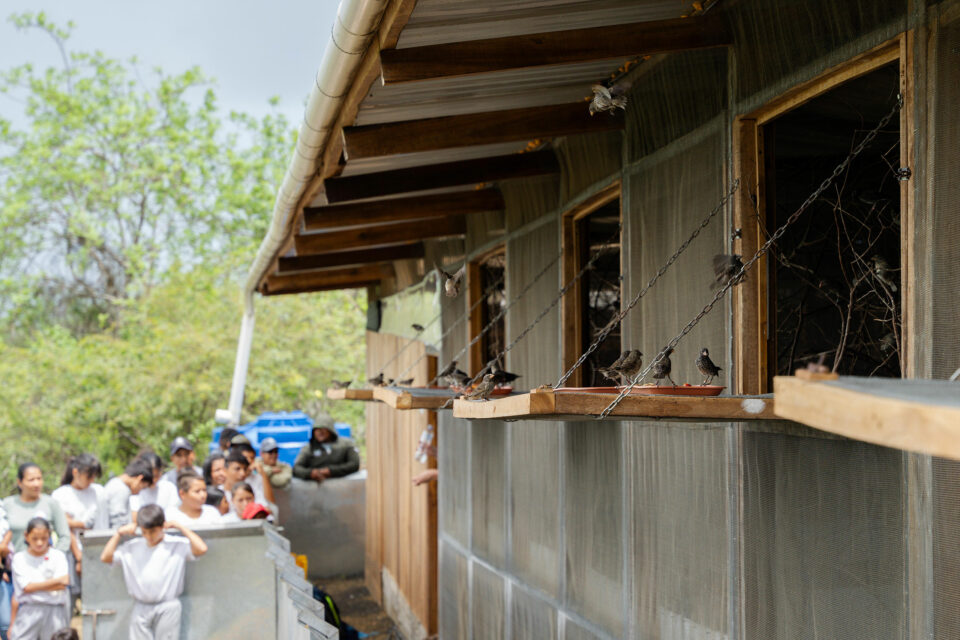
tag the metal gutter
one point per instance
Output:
(356, 23)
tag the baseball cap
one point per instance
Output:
(240, 439)
(180, 443)
(254, 510)
(268, 444)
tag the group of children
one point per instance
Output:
(41, 535)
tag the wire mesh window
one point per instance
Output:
(597, 235)
(834, 278)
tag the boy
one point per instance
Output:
(235, 470)
(181, 459)
(137, 476)
(262, 490)
(193, 509)
(153, 568)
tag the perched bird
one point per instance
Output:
(609, 99)
(377, 380)
(706, 366)
(452, 376)
(405, 383)
(888, 343)
(631, 365)
(881, 270)
(483, 390)
(451, 281)
(662, 367)
(341, 384)
(727, 268)
(501, 377)
(419, 328)
(612, 372)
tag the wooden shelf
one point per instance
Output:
(577, 405)
(405, 398)
(364, 395)
(914, 415)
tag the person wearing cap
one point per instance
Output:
(327, 455)
(279, 473)
(181, 458)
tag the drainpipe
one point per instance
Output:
(356, 22)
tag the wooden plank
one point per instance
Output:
(850, 408)
(397, 398)
(351, 278)
(577, 405)
(908, 266)
(475, 129)
(291, 264)
(437, 176)
(620, 41)
(382, 235)
(363, 395)
(437, 205)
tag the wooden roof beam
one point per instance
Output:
(292, 264)
(378, 236)
(353, 278)
(436, 176)
(438, 205)
(475, 129)
(552, 48)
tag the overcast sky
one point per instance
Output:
(253, 49)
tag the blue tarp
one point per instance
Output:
(291, 430)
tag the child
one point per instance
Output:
(39, 582)
(217, 500)
(137, 476)
(235, 471)
(242, 496)
(193, 509)
(153, 568)
(159, 492)
(80, 503)
(65, 634)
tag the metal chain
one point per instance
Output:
(496, 318)
(616, 320)
(738, 277)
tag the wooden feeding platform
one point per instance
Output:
(363, 395)
(404, 398)
(582, 403)
(914, 415)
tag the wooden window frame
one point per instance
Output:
(571, 315)
(751, 312)
(474, 286)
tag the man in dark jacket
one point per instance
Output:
(327, 455)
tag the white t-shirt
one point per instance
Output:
(4, 525)
(103, 514)
(28, 568)
(208, 516)
(163, 493)
(230, 517)
(154, 574)
(255, 480)
(116, 495)
(81, 505)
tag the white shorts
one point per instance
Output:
(39, 621)
(158, 621)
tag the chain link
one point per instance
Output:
(738, 277)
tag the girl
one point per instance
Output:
(242, 496)
(193, 509)
(214, 470)
(39, 581)
(80, 502)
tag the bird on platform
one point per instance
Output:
(727, 269)
(881, 270)
(500, 376)
(341, 384)
(452, 376)
(483, 390)
(612, 372)
(419, 328)
(609, 98)
(451, 281)
(706, 366)
(405, 383)
(377, 380)
(631, 366)
(663, 366)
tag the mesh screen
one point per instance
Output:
(531, 617)
(587, 159)
(487, 490)
(593, 516)
(946, 548)
(944, 280)
(680, 530)
(453, 455)
(823, 551)
(488, 604)
(454, 610)
(574, 631)
(535, 504)
(669, 196)
(526, 200)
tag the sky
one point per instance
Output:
(253, 49)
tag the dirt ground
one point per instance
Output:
(358, 608)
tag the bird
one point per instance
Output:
(612, 372)
(631, 365)
(453, 376)
(483, 390)
(377, 380)
(341, 384)
(728, 269)
(419, 328)
(706, 366)
(888, 343)
(451, 281)
(609, 98)
(881, 270)
(663, 366)
(405, 383)
(500, 376)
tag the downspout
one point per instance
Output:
(357, 21)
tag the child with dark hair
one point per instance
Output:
(136, 477)
(65, 634)
(214, 469)
(81, 504)
(217, 500)
(153, 567)
(193, 509)
(161, 492)
(235, 470)
(242, 497)
(39, 582)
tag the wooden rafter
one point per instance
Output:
(352, 278)
(438, 205)
(475, 129)
(552, 48)
(383, 235)
(291, 264)
(450, 174)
